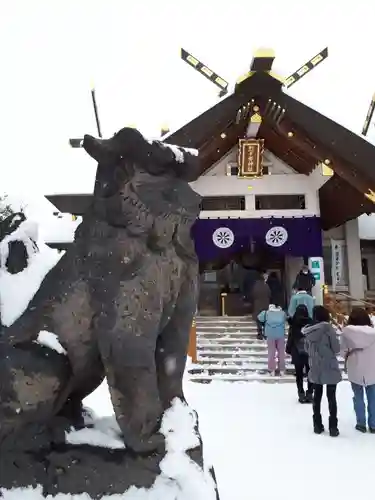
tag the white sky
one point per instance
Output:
(51, 51)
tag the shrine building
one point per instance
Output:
(281, 185)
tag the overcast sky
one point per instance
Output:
(51, 51)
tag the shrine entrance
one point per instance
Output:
(225, 284)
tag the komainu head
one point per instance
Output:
(131, 151)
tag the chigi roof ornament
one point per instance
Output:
(262, 62)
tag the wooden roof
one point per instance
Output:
(314, 138)
(295, 133)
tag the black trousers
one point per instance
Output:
(301, 366)
(260, 328)
(332, 404)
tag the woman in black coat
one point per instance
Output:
(296, 348)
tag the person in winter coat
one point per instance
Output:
(305, 280)
(295, 347)
(322, 347)
(251, 276)
(358, 348)
(274, 320)
(301, 298)
(276, 289)
(261, 295)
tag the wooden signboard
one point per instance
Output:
(250, 156)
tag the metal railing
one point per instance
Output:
(340, 304)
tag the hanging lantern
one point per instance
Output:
(250, 156)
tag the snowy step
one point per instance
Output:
(243, 354)
(224, 319)
(253, 377)
(232, 336)
(239, 364)
(226, 328)
(246, 354)
(225, 340)
(212, 369)
(234, 361)
(233, 341)
(206, 378)
(233, 346)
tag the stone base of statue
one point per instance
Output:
(93, 461)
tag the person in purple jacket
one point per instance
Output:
(358, 349)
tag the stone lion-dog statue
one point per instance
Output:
(121, 300)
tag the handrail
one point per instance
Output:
(336, 308)
(352, 299)
(192, 349)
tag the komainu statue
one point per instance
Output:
(120, 302)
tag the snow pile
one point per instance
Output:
(27, 232)
(50, 340)
(105, 433)
(16, 290)
(179, 151)
(180, 478)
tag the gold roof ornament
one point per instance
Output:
(326, 170)
(264, 53)
(164, 129)
(256, 118)
(370, 195)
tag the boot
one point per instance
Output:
(372, 431)
(301, 397)
(333, 429)
(361, 428)
(309, 397)
(318, 425)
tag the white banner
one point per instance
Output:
(337, 262)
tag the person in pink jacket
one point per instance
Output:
(358, 349)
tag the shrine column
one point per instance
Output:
(354, 258)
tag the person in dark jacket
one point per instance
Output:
(295, 347)
(276, 289)
(323, 346)
(261, 295)
(251, 276)
(305, 280)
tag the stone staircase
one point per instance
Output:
(228, 350)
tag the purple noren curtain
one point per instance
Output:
(216, 238)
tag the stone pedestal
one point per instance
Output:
(55, 460)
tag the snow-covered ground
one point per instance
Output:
(261, 443)
(257, 436)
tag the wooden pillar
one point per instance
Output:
(192, 350)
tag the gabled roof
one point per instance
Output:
(294, 132)
(297, 134)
